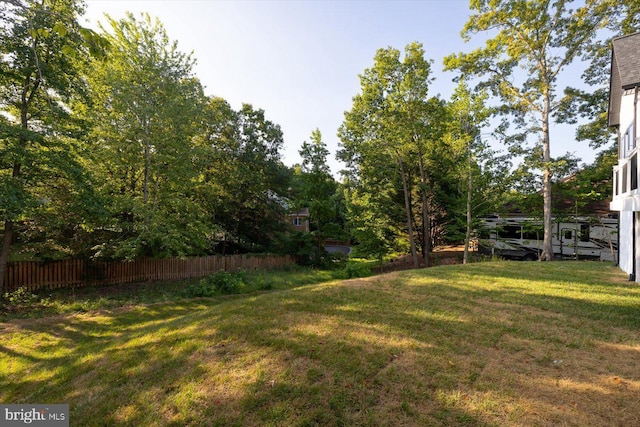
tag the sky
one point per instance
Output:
(299, 60)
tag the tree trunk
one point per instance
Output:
(4, 253)
(147, 166)
(426, 220)
(156, 188)
(28, 92)
(547, 245)
(407, 206)
(7, 238)
(467, 237)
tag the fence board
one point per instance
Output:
(34, 275)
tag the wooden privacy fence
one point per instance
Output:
(34, 275)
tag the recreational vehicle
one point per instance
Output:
(575, 238)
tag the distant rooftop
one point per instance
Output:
(301, 212)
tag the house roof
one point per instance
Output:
(301, 212)
(625, 72)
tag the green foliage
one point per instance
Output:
(20, 296)
(485, 174)
(41, 171)
(376, 231)
(129, 158)
(577, 192)
(314, 187)
(227, 283)
(218, 283)
(21, 302)
(402, 170)
(532, 43)
(308, 248)
(580, 191)
(107, 297)
(242, 180)
(109, 147)
(143, 111)
(355, 269)
(591, 104)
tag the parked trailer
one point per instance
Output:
(577, 238)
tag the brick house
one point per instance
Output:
(300, 220)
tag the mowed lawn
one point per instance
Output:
(500, 343)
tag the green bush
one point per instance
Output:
(220, 283)
(261, 284)
(309, 251)
(19, 297)
(354, 270)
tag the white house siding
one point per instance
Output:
(626, 111)
(636, 261)
(625, 248)
(623, 113)
(629, 204)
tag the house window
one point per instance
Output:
(628, 142)
(297, 222)
(624, 179)
(634, 172)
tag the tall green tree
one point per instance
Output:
(217, 149)
(374, 215)
(145, 113)
(439, 159)
(471, 115)
(393, 135)
(317, 187)
(533, 42)
(371, 134)
(314, 155)
(243, 181)
(41, 45)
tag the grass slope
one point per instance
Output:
(504, 343)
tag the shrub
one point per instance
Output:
(19, 297)
(354, 270)
(221, 282)
(261, 284)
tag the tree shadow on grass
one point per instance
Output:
(102, 362)
(368, 352)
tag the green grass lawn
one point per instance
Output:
(22, 303)
(501, 343)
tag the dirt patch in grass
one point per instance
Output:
(548, 386)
